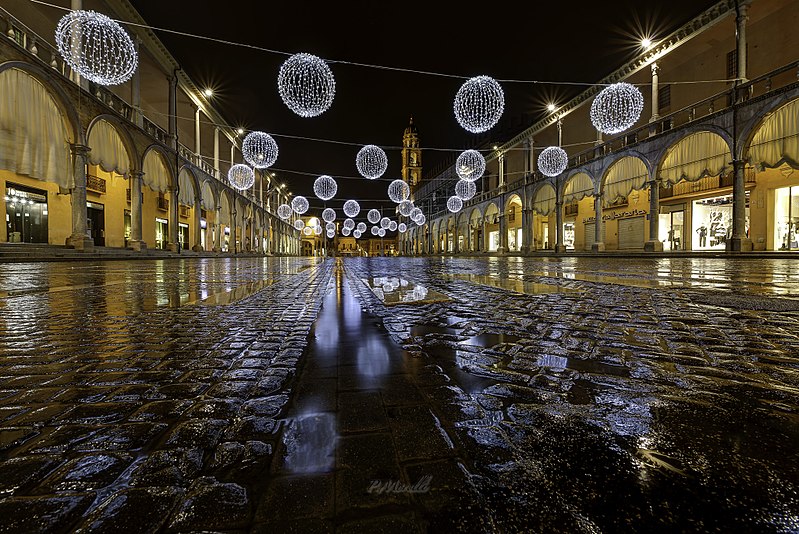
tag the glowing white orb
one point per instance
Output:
(405, 207)
(392, 226)
(349, 224)
(479, 104)
(398, 191)
(373, 216)
(454, 204)
(351, 208)
(465, 190)
(381, 232)
(299, 224)
(371, 162)
(259, 150)
(375, 229)
(299, 204)
(616, 108)
(284, 211)
(470, 165)
(325, 187)
(552, 161)
(402, 227)
(241, 176)
(361, 227)
(306, 85)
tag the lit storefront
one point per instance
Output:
(161, 233)
(786, 218)
(26, 214)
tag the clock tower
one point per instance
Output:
(411, 156)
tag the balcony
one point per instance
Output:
(163, 203)
(184, 211)
(95, 184)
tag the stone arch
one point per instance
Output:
(774, 138)
(511, 198)
(491, 211)
(624, 175)
(126, 140)
(578, 185)
(210, 196)
(225, 207)
(707, 151)
(154, 162)
(187, 179)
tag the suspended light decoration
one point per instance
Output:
(241, 176)
(349, 224)
(552, 161)
(373, 216)
(306, 85)
(299, 204)
(325, 187)
(420, 220)
(346, 231)
(361, 227)
(385, 222)
(351, 208)
(454, 204)
(465, 190)
(470, 165)
(616, 108)
(299, 224)
(381, 232)
(405, 207)
(329, 215)
(371, 162)
(479, 104)
(330, 226)
(357, 234)
(284, 211)
(331, 234)
(415, 212)
(96, 47)
(402, 228)
(375, 229)
(392, 226)
(317, 230)
(398, 191)
(259, 150)
(307, 230)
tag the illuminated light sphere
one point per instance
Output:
(299, 224)
(330, 226)
(346, 232)
(351, 208)
(465, 190)
(415, 212)
(284, 211)
(317, 230)
(454, 204)
(402, 227)
(356, 234)
(241, 176)
(373, 216)
(420, 220)
(331, 234)
(307, 230)
(329, 215)
(371, 162)
(375, 229)
(259, 150)
(381, 232)
(398, 191)
(361, 227)
(470, 165)
(552, 161)
(616, 108)
(405, 207)
(479, 104)
(392, 226)
(306, 85)
(299, 204)
(96, 47)
(325, 187)
(385, 222)
(349, 224)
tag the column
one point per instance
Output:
(739, 242)
(198, 243)
(654, 244)
(740, 35)
(136, 242)
(503, 233)
(174, 241)
(216, 151)
(232, 153)
(173, 107)
(79, 240)
(234, 229)
(197, 133)
(599, 245)
(527, 231)
(559, 246)
(655, 116)
(135, 90)
(218, 236)
(253, 246)
(501, 161)
(484, 237)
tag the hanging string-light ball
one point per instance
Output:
(392, 226)
(346, 231)
(317, 230)
(616, 108)
(259, 150)
(241, 176)
(454, 204)
(402, 228)
(96, 47)
(381, 232)
(415, 212)
(357, 234)
(371, 162)
(361, 227)
(552, 161)
(385, 222)
(398, 191)
(352, 208)
(299, 224)
(331, 234)
(325, 187)
(465, 190)
(375, 229)
(373, 216)
(349, 224)
(307, 230)
(306, 85)
(470, 165)
(420, 220)
(284, 211)
(479, 104)
(330, 226)
(405, 207)
(329, 215)
(299, 204)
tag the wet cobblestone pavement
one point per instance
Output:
(409, 395)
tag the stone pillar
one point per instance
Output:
(216, 151)
(501, 161)
(559, 246)
(527, 231)
(79, 240)
(484, 237)
(599, 245)
(503, 233)
(253, 248)
(135, 90)
(654, 244)
(173, 107)
(174, 219)
(655, 116)
(234, 229)
(136, 242)
(739, 241)
(198, 243)
(197, 133)
(218, 236)
(740, 35)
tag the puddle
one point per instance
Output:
(488, 340)
(310, 442)
(514, 284)
(424, 329)
(392, 290)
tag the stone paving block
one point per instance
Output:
(90, 472)
(418, 434)
(210, 504)
(42, 514)
(171, 467)
(297, 497)
(24, 472)
(133, 510)
(192, 433)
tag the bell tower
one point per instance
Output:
(411, 156)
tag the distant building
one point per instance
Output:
(411, 156)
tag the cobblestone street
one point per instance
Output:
(400, 395)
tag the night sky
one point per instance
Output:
(560, 41)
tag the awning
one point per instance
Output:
(694, 157)
(578, 187)
(156, 174)
(544, 203)
(777, 139)
(624, 176)
(186, 195)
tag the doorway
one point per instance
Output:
(26, 215)
(95, 223)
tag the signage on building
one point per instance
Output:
(616, 215)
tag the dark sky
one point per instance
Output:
(560, 40)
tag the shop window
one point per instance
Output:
(26, 214)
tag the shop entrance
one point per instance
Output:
(568, 235)
(161, 233)
(95, 223)
(786, 218)
(183, 235)
(671, 228)
(26, 214)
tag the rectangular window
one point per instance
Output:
(664, 98)
(732, 64)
